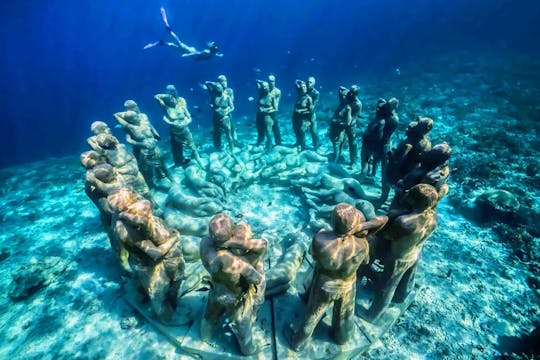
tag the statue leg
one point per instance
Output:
(406, 285)
(217, 135)
(260, 129)
(212, 313)
(313, 131)
(342, 319)
(242, 326)
(350, 131)
(177, 151)
(385, 289)
(275, 129)
(318, 302)
(297, 124)
(268, 131)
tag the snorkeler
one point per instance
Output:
(210, 51)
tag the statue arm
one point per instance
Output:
(119, 116)
(159, 99)
(156, 252)
(372, 226)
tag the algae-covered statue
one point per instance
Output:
(399, 246)
(301, 119)
(275, 93)
(222, 105)
(337, 254)
(235, 261)
(406, 156)
(264, 119)
(314, 95)
(377, 139)
(343, 124)
(155, 253)
(176, 114)
(143, 137)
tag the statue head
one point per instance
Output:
(301, 87)
(138, 214)
(171, 90)
(99, 127)
(220, 228)
(222, 79)
(131, 117)
(438, 155)
(420, 127)
(131, 105)
(107, 141)
(421, 197)
(346, 219)
(121, 199)
(393, 103)
(90, 159)
(242, 232)
(104, 172)
(310, 82)
(271, 82)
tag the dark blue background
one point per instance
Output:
(68, 63)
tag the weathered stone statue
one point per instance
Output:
(338, 254)
(406, 156)
(235, 261)
(143, 137)
(377, 139)
(301, 119)
(275, 93)
(155, 253)
(176, 114)
(314, 95)
(265, 109)
(222, 106)
(343, 124)
(399, 246)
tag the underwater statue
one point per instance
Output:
(433, 170)
(406, 156)
(399, 246)
(343, 124)
(155, 253)
(314, 95)
(377, 139)
(302, 113)
(338, 254)
(222, 106)
(125, 164)
(264, 120)
(275, 93)
(209, 52)
(192, 205)
(235, 261)
(176, 114)
(143, 138)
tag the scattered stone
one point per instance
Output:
(30, 278)
(129, 322)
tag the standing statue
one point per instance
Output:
(314, 95)
(301, 119)
(176, 114)
(222, 106)
(338, 254)
(143, 137)
(275, 93)
(399, 246)
(264, 120)
(406, 156)
(377, 139)
(155, 254)
(235, 262)
(343, 124)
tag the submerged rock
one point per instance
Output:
(497, 205)
(30, 278)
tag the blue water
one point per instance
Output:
(68, 63)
